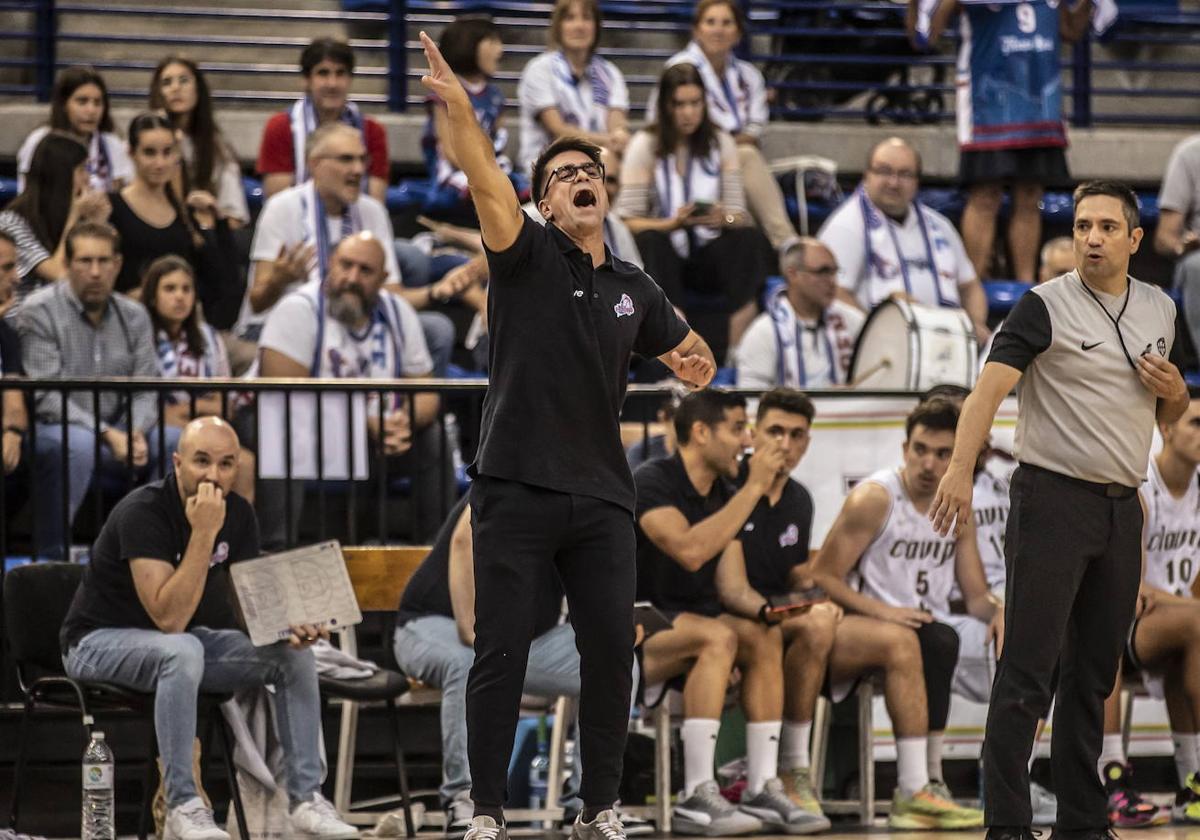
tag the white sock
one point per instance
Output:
(933, 755)
(762, 754)
(699, 752)
(1112, 750)
(1186, 760)
(912, 768)
(793, 745)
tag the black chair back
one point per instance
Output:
(36, 600)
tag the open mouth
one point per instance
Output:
(585, 198)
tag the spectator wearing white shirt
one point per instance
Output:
(806, 337)
(79, 106)
(300, 226)
(888, 244)
(349, 326)
(569, 90)
(737, 104)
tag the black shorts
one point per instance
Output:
(1046, 166)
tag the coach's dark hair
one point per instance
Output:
(789, 400)
(566, 143)
(707, 407)
(954, 393)
(320, 49)
(460, 41)
(937, 415)
(92, 230)
(1116, 189)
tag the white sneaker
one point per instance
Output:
(193, 820)
(317, 818)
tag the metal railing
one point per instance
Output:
(827, 58)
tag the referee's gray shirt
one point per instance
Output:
(1082, 411)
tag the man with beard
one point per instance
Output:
(155, 612)
(351, 327)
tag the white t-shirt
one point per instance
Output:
(736, 99)
(120, 167)
(289, 217)
(1172, 534)
(227, 181)
(908, 564)
(878, 256)
(548, 82)
(392, 346)
(822, 352)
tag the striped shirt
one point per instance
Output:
(30, 251)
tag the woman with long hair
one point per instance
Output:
(79, 106)
(180, 90)
(682, 197)
(737, 104)
(188, 347)
(569, 90)
(153, 221)
(59, 194)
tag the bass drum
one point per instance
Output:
(907, 346)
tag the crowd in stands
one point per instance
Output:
(119, 257)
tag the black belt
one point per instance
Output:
(1110, 490)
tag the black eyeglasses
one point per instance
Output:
(348, 159)
(568, 172)
(823, 271)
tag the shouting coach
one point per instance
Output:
(552, 491)
(1090, 351)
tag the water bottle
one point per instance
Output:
(98, 812)
(539, 768)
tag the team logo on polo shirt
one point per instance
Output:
(220, 555)
(791, 536)
(625, 307)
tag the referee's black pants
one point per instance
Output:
(1073, 555)
(522, 535)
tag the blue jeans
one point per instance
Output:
(178, 666)
(49, 540)
(429, 649)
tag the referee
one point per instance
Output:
(1091, 350)
(552, 493)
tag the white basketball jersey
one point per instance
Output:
(1172, 535)
(908, 564)
(990, 504)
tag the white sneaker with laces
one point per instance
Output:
(193, 820)
(318, 819)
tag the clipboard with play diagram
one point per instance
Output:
(307, 585)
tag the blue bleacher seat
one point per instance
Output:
(1002, 295)
(8, 190)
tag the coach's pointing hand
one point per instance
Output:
(951, 506)
(441, 80)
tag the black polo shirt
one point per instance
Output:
(562, 334)
(775, 539)
(10, 351)
(661, 580)
(428, 591)
(150, 523)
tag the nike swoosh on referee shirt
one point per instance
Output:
(1085, 346)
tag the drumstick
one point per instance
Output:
(882, 364)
